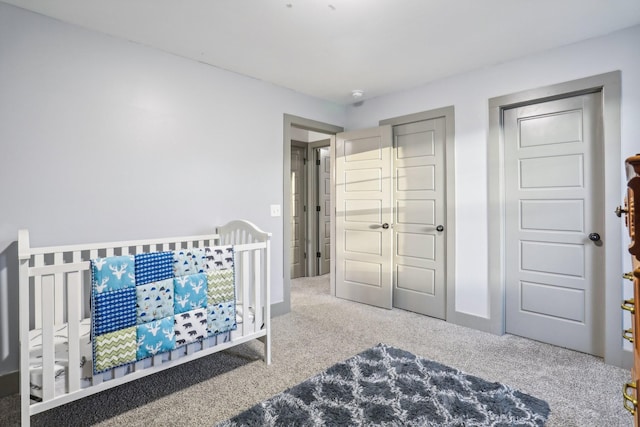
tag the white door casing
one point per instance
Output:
(554, 194)
(363, 216)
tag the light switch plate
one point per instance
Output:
(275, 210)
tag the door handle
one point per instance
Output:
(594, 237)
(385, 225)
(440, 228)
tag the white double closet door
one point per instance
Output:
(389, 216)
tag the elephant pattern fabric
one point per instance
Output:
(151, 303)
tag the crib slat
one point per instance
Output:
(267, 302)
(38, 261)
(245, 292)
(48, 349)
(257, 300)
(74, 301)
(76, 258)
(109, 252)
(59, 291)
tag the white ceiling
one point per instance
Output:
(327, 48)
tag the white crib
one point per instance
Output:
(54, 297)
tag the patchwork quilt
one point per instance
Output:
(151, 303)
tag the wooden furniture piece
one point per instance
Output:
(54, 304)
(630, 389)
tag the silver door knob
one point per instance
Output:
(594, 237)
(440, 228)
(385, 225)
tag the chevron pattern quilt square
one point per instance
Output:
(220, 286)
(168, 299)
(115, 349)
(387, 386)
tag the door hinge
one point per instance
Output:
(318, 162)
(305, 255)
(304, 161)
(318, 255)
(304, 208)
(317, 208)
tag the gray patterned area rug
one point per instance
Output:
(392, 387)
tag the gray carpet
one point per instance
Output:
(321, 331)
(387, 386)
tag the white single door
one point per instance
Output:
(324, 215)
(420, 229)
(554, 250)
(364, 216)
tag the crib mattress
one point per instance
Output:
(61, 358)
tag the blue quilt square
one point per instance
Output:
(114, 310)
(221, 318)
(155, 337)
(189, 261)
(113, 273)
(154, 300)
(153, 267)
(190, 292)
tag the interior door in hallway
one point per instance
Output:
(298, 214)
(419, 283)
(554, 195)
(364, 216)
(324, 213)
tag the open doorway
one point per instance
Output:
(310, 203)
(313, 133)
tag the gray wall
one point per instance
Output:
(102, 139)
